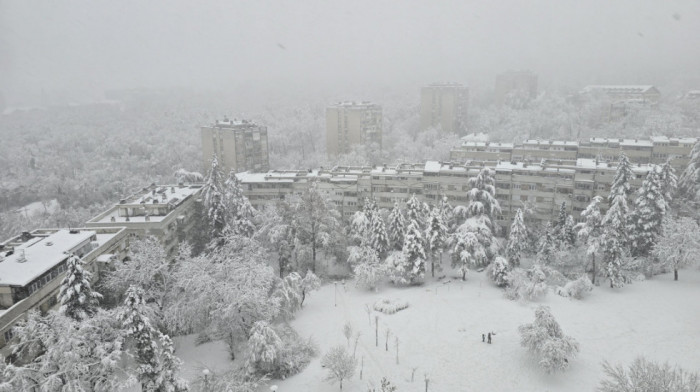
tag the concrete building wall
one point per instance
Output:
(238, 145)
(349, 124)
(444, 106)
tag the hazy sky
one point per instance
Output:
(96, 44)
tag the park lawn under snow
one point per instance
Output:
(440, 334)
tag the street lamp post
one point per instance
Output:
(335, 297)
(205, 373)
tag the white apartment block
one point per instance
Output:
(352, 123)
(239, 145)
(163, 211)
(33, 264)
(444, 106)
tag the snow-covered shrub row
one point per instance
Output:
(576, 288)
(388, 306)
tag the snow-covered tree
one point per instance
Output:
(397, 226)
(139, 331)
(614, 240)
(569, 231)
(57, 353)
(669, 181)
(359, 227)
(414, 251)
(340, 364)
(214, 200)
(263, 348)
(436, 236)
(561, 221)
(679, 244)
(621, 182)
(482, 198)
(239, 212)
(517, 240)
(168, 380)
(547, 246)
(77, 298)
(576, 288)
(689, 181)
(590, 231)
(368, 268)
(530, 284)
(379, 238)
(645, 375)
(547, 341)
(649, 211)
(498, 271)
(468, 250)
(288, 293)
(416, 210)
(310, 283)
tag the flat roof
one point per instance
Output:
(42, 254)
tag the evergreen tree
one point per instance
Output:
(239, 212)
(436, 235)
(415, 210)
(199, 234)
(517, 240)
(78, 300)
(471, 247)
(569, 232)
(138, 328)
(214, 200)
(561, 221)
(414, 252)
(379, 239)
(545, 254)
(591, 230)
(669, 181)
(614, 239)
(482, 197)
(621, 182)
(168, 381)
(647, 219)
(689, 181)
(397, 226)
(264, 348)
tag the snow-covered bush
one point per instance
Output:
(368, 274)
(263, 348)
(547, 341)
(295, 353)
(644, 375)
(310, 283)
(528, 284)
(576, 288)
(498, 270)
(388, 306)
(288, 293)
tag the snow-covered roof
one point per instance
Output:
(234, 123)
(355, 105)
(475, 137)
(494, 145)
(432, 167)
(510, 166)
(550, 142)
(40, 254)
(162, 194)
(621, 142)
(620, 89)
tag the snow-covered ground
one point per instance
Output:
(440, 334)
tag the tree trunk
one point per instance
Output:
(313, 255)
(464, 275)
(432, 265)
(594, 271)
(341, 384)
(675, 274)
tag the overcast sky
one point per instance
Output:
(98, 44)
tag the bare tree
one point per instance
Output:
(340, 365)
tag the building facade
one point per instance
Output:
(239, 145)
(351, 123)
(625, 93)
(521, 83)
(163, 211)
(33, 264)
(444, 106)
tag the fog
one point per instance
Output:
(79, 48)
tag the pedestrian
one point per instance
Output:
(483, 338)
(489, 342)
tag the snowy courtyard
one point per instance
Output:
(440, 335)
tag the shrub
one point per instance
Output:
(576, 288)
(547, 341)
(388, 306)
(645, 375)
(526, 284)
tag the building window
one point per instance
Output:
(9, 334)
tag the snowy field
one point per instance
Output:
(440, 334)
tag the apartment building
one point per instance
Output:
(647, 94)
(673, 148)
(520, 83)
(482, 151)
(444, 106)
(352, 123)
(239, 145)
(33, 264)
(537, 150)
(163, 211)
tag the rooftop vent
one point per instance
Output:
(49, 243)
(122, 201)
(26, 236)
(73, 231)
(22, 257)
(112, 219)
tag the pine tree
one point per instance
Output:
(561, 221)
(517, 240)
(379, 239)
(264, 348)
(470, 248)
(482, 197)
(214, 200)
(647, 219)
(689, 181)
(621, 182)
(545, 254)
(415, 210)
(239, 212)
(397, 226)
(436, 236)
(414, 251)
(138, 328)
(168, 381)
(669, 181)
(78, 300)
(591, 230)
(614, 240)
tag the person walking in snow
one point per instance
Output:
(489, 341)
(483, 338)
